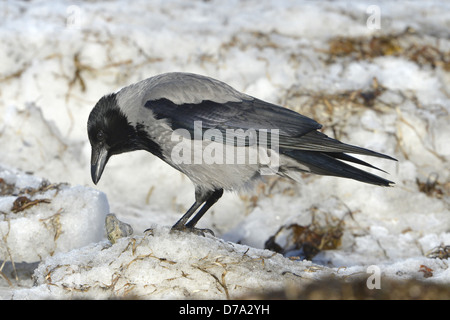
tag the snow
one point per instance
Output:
(161, 265)
(57, 60)
(58, 218)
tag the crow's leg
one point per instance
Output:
(182, 222)
(212, 199)
(209, 198)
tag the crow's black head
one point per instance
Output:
(109, 133)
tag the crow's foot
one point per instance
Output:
(197, 231)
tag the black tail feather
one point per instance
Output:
(327, 163)
(316, 141)
(346, 157)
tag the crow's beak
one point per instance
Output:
(99, 158)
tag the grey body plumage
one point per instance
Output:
(151, 114)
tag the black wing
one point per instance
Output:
(296, 132)
(246, 114)
(297, 135)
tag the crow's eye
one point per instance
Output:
(100, 136)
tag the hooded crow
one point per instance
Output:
(220, 138)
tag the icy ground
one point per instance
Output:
(384, 88)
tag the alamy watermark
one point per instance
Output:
(74, 17)
(373, 22)
(234, 146)
(374, 280)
